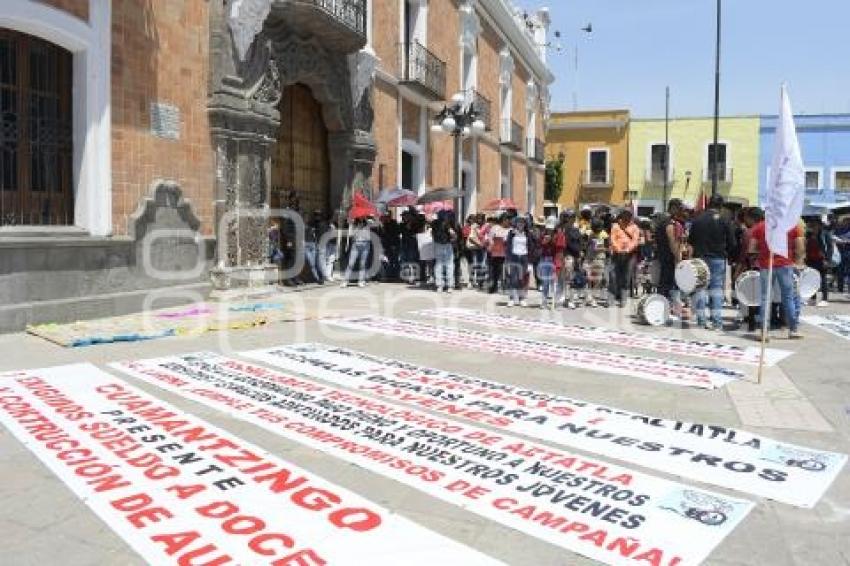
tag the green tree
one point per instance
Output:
(554, 180)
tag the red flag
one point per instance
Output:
(361, 208)
(702, 202)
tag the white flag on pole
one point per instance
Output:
(785, 188)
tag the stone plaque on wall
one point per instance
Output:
(165, 121)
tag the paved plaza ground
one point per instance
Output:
(804, 400)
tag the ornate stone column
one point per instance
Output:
(245, 89)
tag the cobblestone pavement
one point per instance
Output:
(804, 400)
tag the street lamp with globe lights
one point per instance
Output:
(458, 119)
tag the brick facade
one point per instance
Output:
(443, 31)
(78, 8)
(160, 54)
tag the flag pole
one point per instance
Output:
(767, 302)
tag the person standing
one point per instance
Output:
(669, 239)
(360, 236)
(625, 239)
(819, 247)
(517, 245)
(475, 252)
(568, 244)
(495, 242)
(445, 236)
(712, 238)
(547, 270)
(783, 273)
(596, 261)
(313, 232)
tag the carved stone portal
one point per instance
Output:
(255, 53)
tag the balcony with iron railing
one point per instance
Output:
(534, 150)
(510, 134)
(655, 177)
(340, 23)
(724, 175)
(482, 106)
(597, 178)
(422, 71)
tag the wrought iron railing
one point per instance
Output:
(483, 106)
(724, 174)
(535, 150)
(597, 177)
(510, 134)
(351, 13)
(420, 66)
(655, 177)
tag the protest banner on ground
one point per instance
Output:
(611, 337)
(181, 491)
(836, 324)
(594, 508)
(713, 454)
(654, 369)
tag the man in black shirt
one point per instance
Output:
(712, 238)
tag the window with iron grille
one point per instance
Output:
(36, 173)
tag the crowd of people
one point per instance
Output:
(590, 258)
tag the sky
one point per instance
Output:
(638, 47)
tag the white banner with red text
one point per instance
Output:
(611, 337)
(653, 369)
(594, 508)
(181, 491)
(712, 454)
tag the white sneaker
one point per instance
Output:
(344, 284)
(571, 305)
(510, 304)
(591, 303)
(361, 284)
(523, 303)
(449, 290)
(823, 304)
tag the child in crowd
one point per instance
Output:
(597, 262)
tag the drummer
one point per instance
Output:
(712, 237)
(746, 262)
(670, 239)
(783, 273)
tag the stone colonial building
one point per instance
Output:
(144, 142)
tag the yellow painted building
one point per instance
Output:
(594, 147)
(691, 159)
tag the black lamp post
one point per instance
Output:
(714, 171)
(458, 119)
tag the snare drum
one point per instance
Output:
(653, 310)
(809, 283)
(692, 275)
(748, 288)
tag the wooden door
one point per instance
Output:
(300, 163)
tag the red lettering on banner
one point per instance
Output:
(176, 542)
(186, 491)
(139, 509)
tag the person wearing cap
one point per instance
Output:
(547, 270)
(712, 238)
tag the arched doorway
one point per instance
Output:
(300, 161)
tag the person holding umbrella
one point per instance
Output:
(495, 243)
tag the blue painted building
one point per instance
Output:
(825, 146)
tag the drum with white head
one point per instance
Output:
(653, 310)
(692, 275)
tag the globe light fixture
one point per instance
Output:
(449, 124)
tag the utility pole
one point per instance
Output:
(666, 167)
(714, 171)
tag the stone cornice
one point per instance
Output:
(501, 16)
